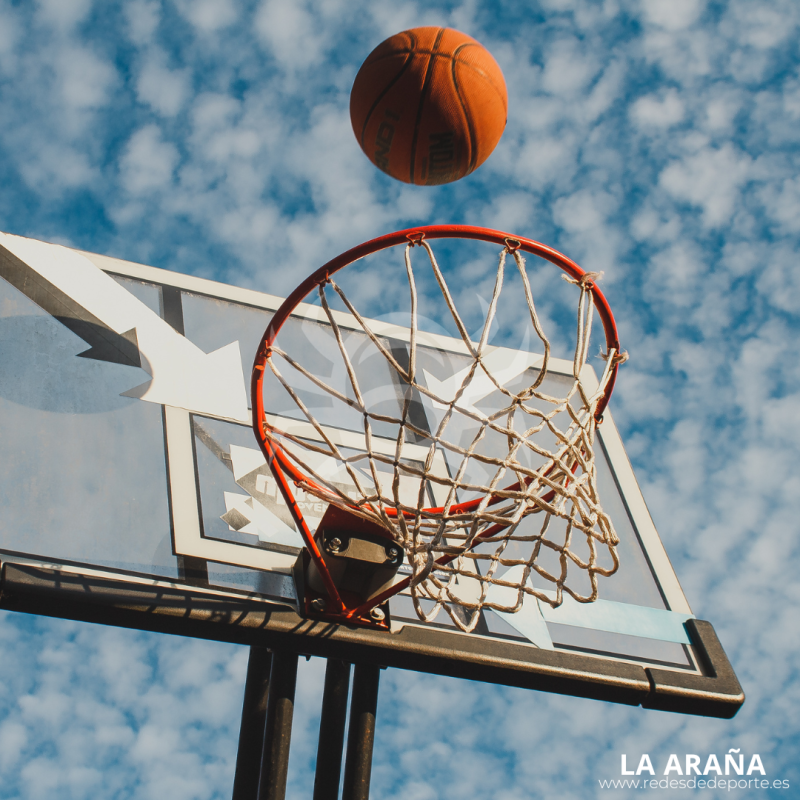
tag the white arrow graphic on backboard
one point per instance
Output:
(182, 374)
(504, 364)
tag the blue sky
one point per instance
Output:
(657, 140)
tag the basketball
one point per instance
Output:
(429, 105)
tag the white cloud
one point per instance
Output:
(649, 224)
(592, 241)
(658, 112)
(512, 212)
(782, 203)
(214, 111)
(710, 178)
(389, 18)
(674, 275)
(57, 167)
(740, 258)
(143, 17)
(288, 30)
(64, 14)
(220, 134)
(776, 416)
(13, 739)
(749, 66)
(606, 91)
(568, 67)
(640, 396)
(761, 26)
(548, 159)
(673, 15)
(164, 731)
(779, 278)
(165, 90)
(759, 366)
(720, 109)
(587, 15)
(241, 143)
(209, 16)
(584, 210)
(258, 224)
(86, 79)
(773, 116)
(686, 55)
(9, 36)
(148, 161)
(791, 98)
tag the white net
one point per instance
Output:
(514, 478)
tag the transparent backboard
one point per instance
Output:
(126, 451)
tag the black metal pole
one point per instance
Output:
(331, 730)
(278, 728)
(251, 732)
(361, 735)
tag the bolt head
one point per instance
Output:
(393, 553)
(318, 604)
(334, 544)
(377, 614)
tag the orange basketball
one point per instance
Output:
(429, 105)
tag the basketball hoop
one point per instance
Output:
(527, 455)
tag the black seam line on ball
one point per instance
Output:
(383, 94)
(473, 147)
(463, 61)
(502, 94)
(416, 51)
(372, 58)
(423, 95)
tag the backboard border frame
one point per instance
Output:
(611, 441)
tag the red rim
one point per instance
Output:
(283, 468)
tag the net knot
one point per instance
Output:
(619, 357)
(585, 281)
(422, 564)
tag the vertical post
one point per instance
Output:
(278, 728)
(331, 730)
(251, 731)
(361, 736)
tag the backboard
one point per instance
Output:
(133, 493)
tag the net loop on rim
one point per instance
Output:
(616, 358)
(508, 522)
(588, 279)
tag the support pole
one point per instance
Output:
(251, 731)
(331, 730)
(361, 736)
(278, 728)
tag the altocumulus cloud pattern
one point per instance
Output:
(655, 140)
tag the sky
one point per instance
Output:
(657, 141)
